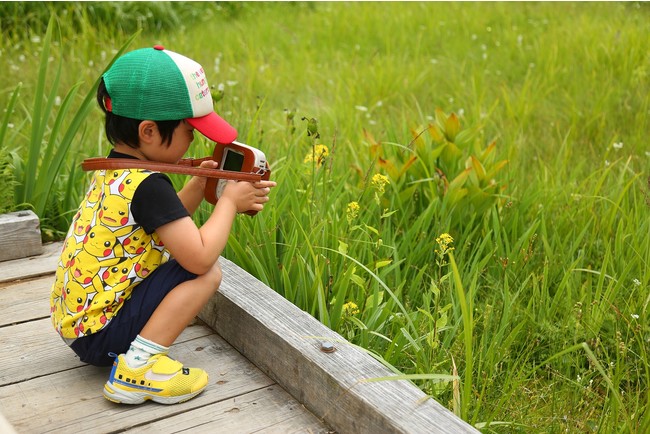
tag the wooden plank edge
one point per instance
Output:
(285, 343)
(34, 266)
(20, 235)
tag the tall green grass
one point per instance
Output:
(535, 317)
(37, 170)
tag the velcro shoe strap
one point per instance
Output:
(166, 366)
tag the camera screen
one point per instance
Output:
(232, 160)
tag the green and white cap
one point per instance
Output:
(160, 85)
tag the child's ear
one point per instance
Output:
(147, 131)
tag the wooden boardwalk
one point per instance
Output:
(268, 371)
(45, 388)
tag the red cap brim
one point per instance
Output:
(214, 128)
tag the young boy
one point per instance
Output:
(135, 269)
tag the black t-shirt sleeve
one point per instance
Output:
(156, 203)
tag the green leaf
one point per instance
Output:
(382, 263)
(479, 170)
(343, 247)
(452, 127)
(358, 280)
(436, 134)
(371, 229)
(8, 111)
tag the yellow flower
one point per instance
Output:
(444, 240)
(352, 211)
(317, 155)
(379, 182)
(350, 308)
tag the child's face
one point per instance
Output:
(181, 140)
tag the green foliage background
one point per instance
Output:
(519, 129)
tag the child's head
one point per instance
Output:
(162, 86)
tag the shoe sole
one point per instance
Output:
(119, 396)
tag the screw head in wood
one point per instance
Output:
(327, 347)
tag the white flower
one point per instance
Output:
(636, 282)
(635, 316)
(618, 145)
(361, 108)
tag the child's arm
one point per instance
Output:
(197, 249)
(192, 193)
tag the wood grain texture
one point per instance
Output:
(284, 342)
(270, 409)
(34, 266)
(72, 401)
(45, 388)
(25, 300)
(20, 235)
(33, 349)
(40, 373)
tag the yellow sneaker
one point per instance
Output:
(161, 380)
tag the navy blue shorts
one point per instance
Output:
(117, 336)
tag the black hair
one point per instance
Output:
(120, 129)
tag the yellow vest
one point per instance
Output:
(105, 255)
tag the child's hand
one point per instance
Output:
(201, 180)
(248, 196)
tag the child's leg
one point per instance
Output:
(180, 307)
(171, 317)
(153, 375)
(124, 327)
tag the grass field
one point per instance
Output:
(474, 203)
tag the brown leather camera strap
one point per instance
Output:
(187, 166)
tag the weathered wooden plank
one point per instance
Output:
(34, 349)
(284, 342)
(72, 401)
(20, 235)
(25, 300)
(270, 409)
(31, 267)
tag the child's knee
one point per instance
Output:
(214, 276)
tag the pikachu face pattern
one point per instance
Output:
(104, 255)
